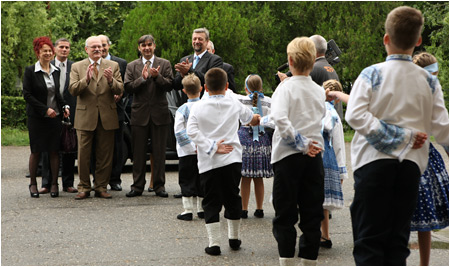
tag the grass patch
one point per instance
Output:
(348, 135)
(14, 137)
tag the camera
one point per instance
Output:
(333, 52)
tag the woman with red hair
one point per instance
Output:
(45, 108)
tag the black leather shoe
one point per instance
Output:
(151, 190)
(162, 194)
(185, 217)
(235, 244)
(133, 193)
(116, 187)
(33, 194)
(325, 243)
(244, 214)
(201, 215)
(259, 213)
(178, 195)
(214, 250)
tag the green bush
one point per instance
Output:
(14, 112)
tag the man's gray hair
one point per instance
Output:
(320, 43)
(107, 38)
(202, 30)
(212, 45)
(88, 39)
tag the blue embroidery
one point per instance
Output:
(184, 110)
(342, 170)
(299, 143)
(399, 57)
(182, 138)
(432, 82)
(211, 148)
(373, 76)
(387, 138)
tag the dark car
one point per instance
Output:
(174, 100)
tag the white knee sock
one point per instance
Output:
(213, 230)
(233, 228)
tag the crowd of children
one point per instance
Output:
(297, 137)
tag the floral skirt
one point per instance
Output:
(432, 203)
(333, 196)
(256, 155)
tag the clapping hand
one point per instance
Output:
(183, 67)
(154, 72)
(89, 72)
(108, 75)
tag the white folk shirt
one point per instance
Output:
(298, 106)
(248, 102)
(211, 120)
(185, 146)
(389, 103)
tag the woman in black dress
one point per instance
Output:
(45, 108)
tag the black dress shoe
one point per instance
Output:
(33, 194)
(133, 193)
(259, 213)
(214, 250)
(162, 194)
(151, 190)
(116, 187)
(325, 243)
(244, 214)
(201, 215)
(178, 195)
(185, 217)
(235, 244)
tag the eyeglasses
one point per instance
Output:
(95, 46)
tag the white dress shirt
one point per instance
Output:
(185, 146)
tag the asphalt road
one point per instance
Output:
(144, 230)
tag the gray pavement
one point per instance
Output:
(144, 230)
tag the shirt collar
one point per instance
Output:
(38, 67)
(108, 57)
(194, 99)
(152, 59)
(57, 62)
(216, 96)
(403, 57)
(92, 61)
(201, 55)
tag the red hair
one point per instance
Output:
(39, 42)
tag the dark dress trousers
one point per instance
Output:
(207, 62)
(44, 132)
(149, 116)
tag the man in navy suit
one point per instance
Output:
(62, 51)
(199, 62)
(115, 181)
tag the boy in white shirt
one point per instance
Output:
(213, 127)
(392, 107)
(298, 106)
(188, 176)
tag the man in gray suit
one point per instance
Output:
(199, 62)
(149, 78)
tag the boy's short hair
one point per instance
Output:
(216, 79)
(404, 26)
(302, 52)
(333, 85)
(191, 83)
(424, 59)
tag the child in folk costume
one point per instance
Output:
(256, 146)
(393, 107)
(432, 204)
(213, 125)
(188, 176)
(333, 162)
(298, 106)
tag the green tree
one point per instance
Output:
(21, 23)
(172, 23)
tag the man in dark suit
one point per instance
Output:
(149, 78)
(115, 181)
(226, 67)
(95, 81)
(199, 63)
(67, 163)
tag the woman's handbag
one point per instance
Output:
(68, 137)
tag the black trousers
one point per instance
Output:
(298, 189)
(221, 188)
(385, 199)
(188, 176)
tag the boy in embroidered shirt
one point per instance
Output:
(298, 106)
(213, 127)
(392, 107)
(188, 177)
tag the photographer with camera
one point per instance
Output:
(322, 70)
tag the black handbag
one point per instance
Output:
(68, 137)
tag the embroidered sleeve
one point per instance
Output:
(339, 148)
(181, 117)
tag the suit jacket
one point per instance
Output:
(123, 67)
(230, 73)
(208, 61)
(149, 100)
(35, 92)
(68, 98)
(97, 97)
